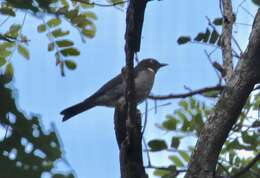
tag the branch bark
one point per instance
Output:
(184, 95)
(227, 110)
(227, 37)
(127, 121)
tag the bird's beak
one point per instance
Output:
(162, 65)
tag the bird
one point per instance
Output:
(112, 93)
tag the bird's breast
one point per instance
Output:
(143, 84)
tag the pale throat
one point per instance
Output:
(151, 70)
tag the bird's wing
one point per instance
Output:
(108, 86)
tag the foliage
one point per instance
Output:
(27, 150)
(186, 124)
(52, 14)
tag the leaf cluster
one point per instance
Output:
(27, 150)
(187, 122)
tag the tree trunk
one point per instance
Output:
(227, 110)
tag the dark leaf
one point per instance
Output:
(157, 145)
(70, 64)
(70, 52)
(176, 160)
(257, 2)
(183, 40)
(41, 28)
(170, 123)
(175, 142)
(214, 37)
(7, 11)
(218, 21)
(23, 51)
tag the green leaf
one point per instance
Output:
(181, 115)
(198, 120)
(184, 104)
(2, 61)
(176, 160)
(90, 15)
(89, 32)
(206, 37)
(9, 72)
(64, 43)
(118, 2)
(257, 2)
(157, 145)
(199, 37)
(175, 142)
(51, 46)
(184, 155)
(218, 21)
(170, 123)
(70, 52)
(214, 37)
(256, 124)
(72, 13)
(59, 33)
(5, 53)
(183, 40)
(70, 64)
(161, 172)
(41, 28)
(14, 30)
(23, 51)
(252, 140)
(7, 11)
(203, 37)
(54, 22)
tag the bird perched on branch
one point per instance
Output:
(112, 93)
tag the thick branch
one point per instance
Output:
(227, 110)
(130, 144)
(247, 167)
(184, 95)
(227, 37)
(99, 4)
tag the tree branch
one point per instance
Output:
(247, 167)
(227, 37)
(127, 120)
(99, 4)
(184, 95)
(227, 110)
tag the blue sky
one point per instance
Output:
(88, 139)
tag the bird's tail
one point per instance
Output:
(76, 109)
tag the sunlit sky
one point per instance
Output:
(88, 139)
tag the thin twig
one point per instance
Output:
(184, 95)
(224, 168)
(247, 11)
(147, 153)
(100, 4)
(237, 44)
(247, 167)
(243, 24)
(211, 62)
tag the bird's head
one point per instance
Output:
(151, 64)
